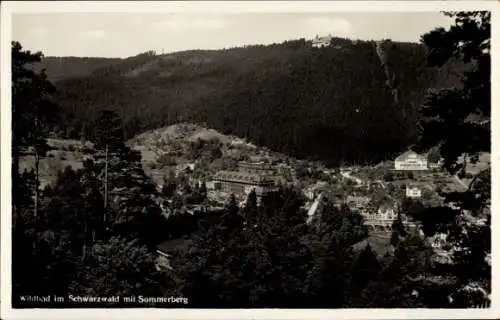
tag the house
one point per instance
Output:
(313, 191)
(213, 185)
(381, 217)
(410, 161)
(387, 212)
(438, 240)
(413, 192)
(434, 165)
(357, 202)
(320, 42)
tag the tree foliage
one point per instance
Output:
(457, 119)
(97, 227)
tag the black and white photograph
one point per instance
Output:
(202, 158)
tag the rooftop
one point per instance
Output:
(322, 39)
(242, 177)
(409, 155)
(358, 199)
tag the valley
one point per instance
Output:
(309, 173)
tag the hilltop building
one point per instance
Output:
(320, 42)
(410, 161)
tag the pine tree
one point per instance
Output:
(119, 267)
(398, 230)
(366, 267)
(406, 273)
(203, 190)
(169, 184)
(232, 207)
(457, 119)
(131, 201)
(33, 115)
(250, 209)
(262, 266)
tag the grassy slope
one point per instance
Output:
(151, 143)
(65, 153)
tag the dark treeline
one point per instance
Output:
(61, 68)
(95, 231)
(307, 102)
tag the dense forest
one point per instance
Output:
(60, 68)
(304, 101)
(94, 233)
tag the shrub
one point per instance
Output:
(388, 176)
(87, 150)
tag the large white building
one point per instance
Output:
(410, 161)
(320, 42)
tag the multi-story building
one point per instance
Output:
(410, 161)
(241, 184)
(377, 217)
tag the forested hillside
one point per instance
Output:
(291, 97)
(60, 68)
(102, 233)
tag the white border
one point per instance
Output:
(10, 7)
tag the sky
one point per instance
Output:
(125, 34)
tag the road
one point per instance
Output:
(314, 208)
(347, 175)
(461, 182)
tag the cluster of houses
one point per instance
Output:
(378, 217)
(263, 177)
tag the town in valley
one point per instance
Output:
(330, 164)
